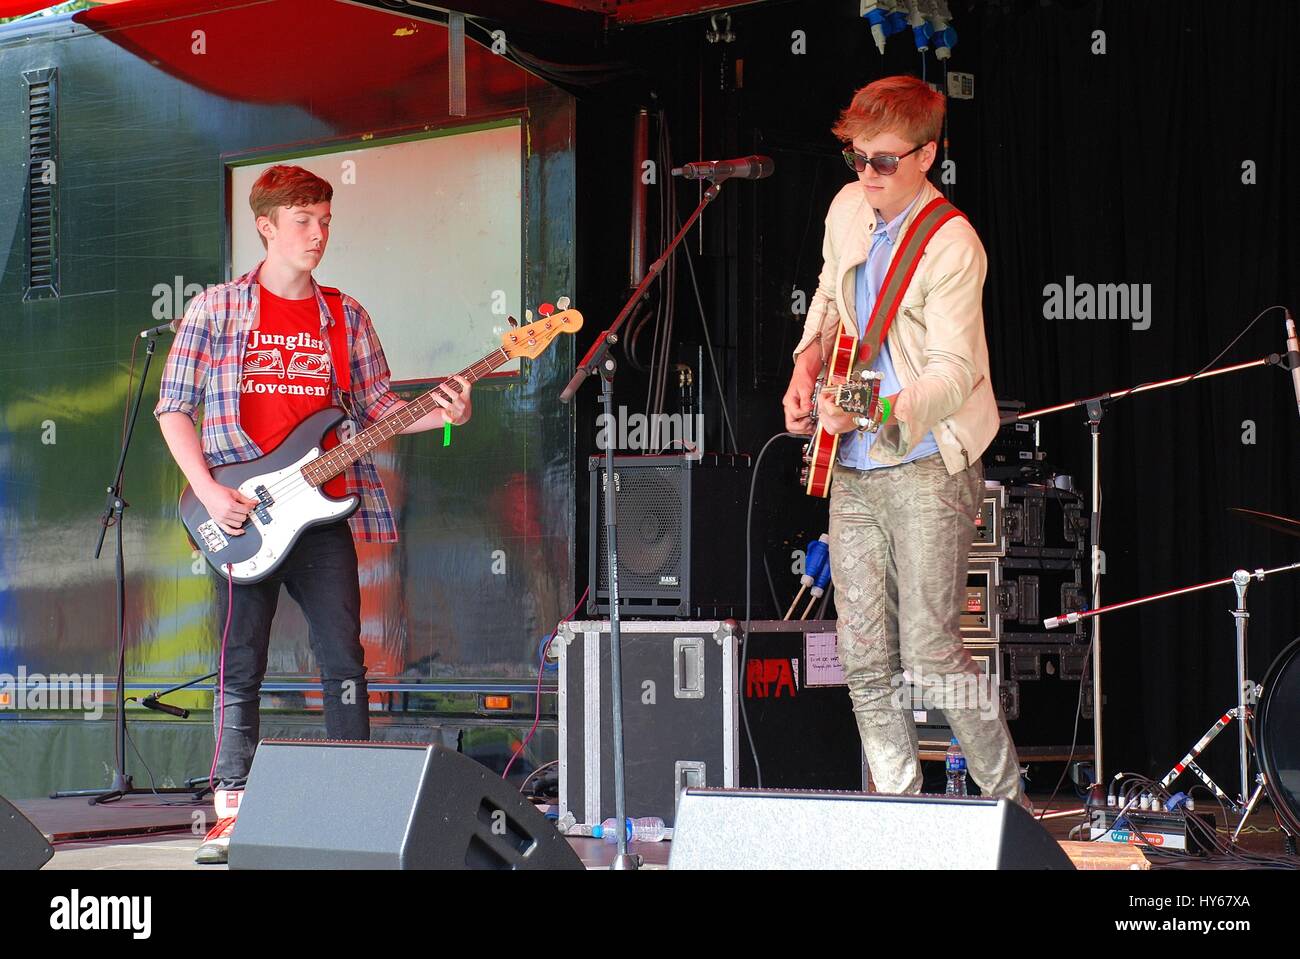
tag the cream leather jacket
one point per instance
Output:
(936, 340)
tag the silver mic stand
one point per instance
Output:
(598, 360)
(1095, 408)
(1246, 689)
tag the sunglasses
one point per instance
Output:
(886, 164)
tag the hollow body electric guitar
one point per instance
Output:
(288, 482)
(856, 391)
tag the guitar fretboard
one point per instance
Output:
(328, 465)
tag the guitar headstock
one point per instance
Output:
(533, 339)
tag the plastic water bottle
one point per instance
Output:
(646, 829)
(955, 763)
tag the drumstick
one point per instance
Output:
(796, 601)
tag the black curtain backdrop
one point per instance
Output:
(1117, 167)
(1127, 167)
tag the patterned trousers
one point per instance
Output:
(900, 538)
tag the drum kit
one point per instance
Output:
(1277, 714)
(1267, 714)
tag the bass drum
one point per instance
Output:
(1277, 736)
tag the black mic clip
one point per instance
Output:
(152, 702)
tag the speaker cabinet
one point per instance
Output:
(681, 536)
(753, 829)
(22, 845)
(352, 805)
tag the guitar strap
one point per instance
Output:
(339, 349)
(932, 216)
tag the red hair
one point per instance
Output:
(901, 104)
(281, 186)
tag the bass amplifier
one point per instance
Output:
(681, 536)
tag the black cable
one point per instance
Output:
(771, 584)
(826, 598)
(744, 639)
(573, 78)
(708, 341)
(1224, 351)
(153, 783)
(1074, 742)
(1217, 850)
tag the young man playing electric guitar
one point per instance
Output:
(903, 500)
(261, 354)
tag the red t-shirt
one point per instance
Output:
(286, 375)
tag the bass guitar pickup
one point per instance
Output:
(264, 500)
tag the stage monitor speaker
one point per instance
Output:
(772, 829)
(355, 805)
(22, 845)
(681, 536)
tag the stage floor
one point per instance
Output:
(148, 832)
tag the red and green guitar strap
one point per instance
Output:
(932, 216)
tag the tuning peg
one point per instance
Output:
(512, 321)
(545, 309)
(528, 316)
(563, 302)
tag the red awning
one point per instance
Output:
(18, 8)
(336, 60)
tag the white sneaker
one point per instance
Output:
(216, 844)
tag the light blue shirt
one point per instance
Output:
(855, 447)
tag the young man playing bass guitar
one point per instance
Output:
(903, 501)
(260, 354)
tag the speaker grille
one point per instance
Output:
(650, 529)
(681, 535)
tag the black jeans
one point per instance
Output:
(320, 573)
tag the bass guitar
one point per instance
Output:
(288, 482)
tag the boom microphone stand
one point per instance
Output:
(599, 360)
(114, 509)
(1246, 688)
(1095, 408)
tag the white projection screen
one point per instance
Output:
(427, 234)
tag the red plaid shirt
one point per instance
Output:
(205, 367)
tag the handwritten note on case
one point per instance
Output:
(824, 667)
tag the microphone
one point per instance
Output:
(169, 327)
(1293, 355)
(152, 702)
(1055, 621)
(746, 168)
